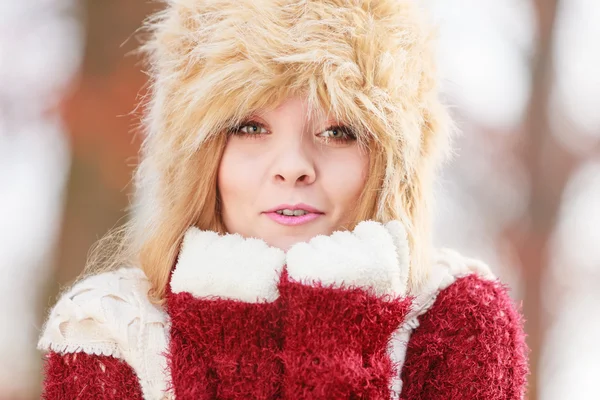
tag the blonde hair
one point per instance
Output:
(368, 63)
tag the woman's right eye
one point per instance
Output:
(249, 128)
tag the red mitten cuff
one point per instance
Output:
(225, 329)
(345, 296)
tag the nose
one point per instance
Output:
(294, 165)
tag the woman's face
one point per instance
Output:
(280, 163)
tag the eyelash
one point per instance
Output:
(347, 131)
(237, 131)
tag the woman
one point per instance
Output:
(279, 244)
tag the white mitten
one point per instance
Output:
(373, 256)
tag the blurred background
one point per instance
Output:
(523, 192)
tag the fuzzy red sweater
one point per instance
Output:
(468, 346)
(318, 340)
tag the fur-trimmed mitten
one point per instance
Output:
(225, 329)
(344, 297)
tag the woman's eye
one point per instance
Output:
(252, 129)
(338, 133)
(249, 128)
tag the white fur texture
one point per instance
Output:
(227, 266)
(110, 315)
(373, 256)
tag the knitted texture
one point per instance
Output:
(469, 345)
(110, 314)
(223, 349)
(336, 341)
(83, 376)
(337, 323)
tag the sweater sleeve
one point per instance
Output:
(344, 300)
(469, 345)
(336, 342)
(225, 331)
(84, 376)
(105, 333)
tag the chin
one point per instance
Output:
(286, 242)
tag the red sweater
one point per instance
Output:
(331, 319)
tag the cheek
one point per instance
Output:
(345, 176)
(236, 176)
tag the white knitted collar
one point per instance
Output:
(373, 256)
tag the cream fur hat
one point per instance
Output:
(367, 62)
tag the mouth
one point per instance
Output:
(293, 215)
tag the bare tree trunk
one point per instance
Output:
(542, 156)
(99, 121)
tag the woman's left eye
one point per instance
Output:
(338, 133)
(252, 129)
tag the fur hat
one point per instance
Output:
(367, 62)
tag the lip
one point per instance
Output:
(287, 220)
(300, 206)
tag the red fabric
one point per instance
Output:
(318, 342)
(223, 349)
(82, 376)
(469, 345)
(336, 342)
